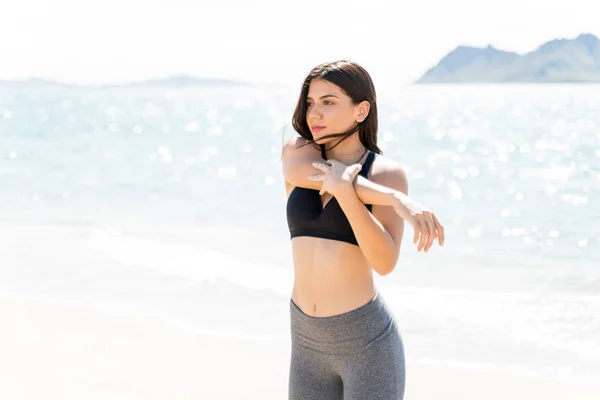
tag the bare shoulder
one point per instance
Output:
(390, 173)
(297, 145)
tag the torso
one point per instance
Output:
(330, 277)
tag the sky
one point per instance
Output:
(267, 41)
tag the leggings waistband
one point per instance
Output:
(349, 332)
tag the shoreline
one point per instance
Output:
(56, 351)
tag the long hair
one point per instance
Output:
(356, 83)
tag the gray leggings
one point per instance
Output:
(357, 355)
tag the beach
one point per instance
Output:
(144, 252)
(60, 351)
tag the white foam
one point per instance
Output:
(558, 322)
(197, 263)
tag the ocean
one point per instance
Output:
(169, 203)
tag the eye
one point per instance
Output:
(327, 102)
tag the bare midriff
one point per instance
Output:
(330, 277)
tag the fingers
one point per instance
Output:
(440, 230)
(417, 229)
(321, 166)
(424, 234)
(321, 178)
(431, 233)
(354, 171)
(427, 229)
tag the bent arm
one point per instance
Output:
(379, 234)
(297, 167)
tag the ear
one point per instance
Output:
(362, 111)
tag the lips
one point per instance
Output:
(317, 128)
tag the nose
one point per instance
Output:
(313, 113)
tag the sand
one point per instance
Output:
(56, 351)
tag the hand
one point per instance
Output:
(337, 176)
(424, 222)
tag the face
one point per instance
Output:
(329, 110)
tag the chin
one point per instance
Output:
(323, 141)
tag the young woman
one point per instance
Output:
(346, 209)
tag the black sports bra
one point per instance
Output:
(306, 215)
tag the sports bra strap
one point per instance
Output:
(367, 165)
(323, 153)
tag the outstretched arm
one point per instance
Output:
(299, 167)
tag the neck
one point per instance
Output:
(348, 152)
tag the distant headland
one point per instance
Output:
(559, 60)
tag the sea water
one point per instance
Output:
(169, 203)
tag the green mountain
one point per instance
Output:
(559, 60)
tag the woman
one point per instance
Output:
(346, 219)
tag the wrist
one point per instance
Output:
(346, 190)
(399, 196)
(393, 199)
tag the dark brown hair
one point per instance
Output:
(356, 83)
